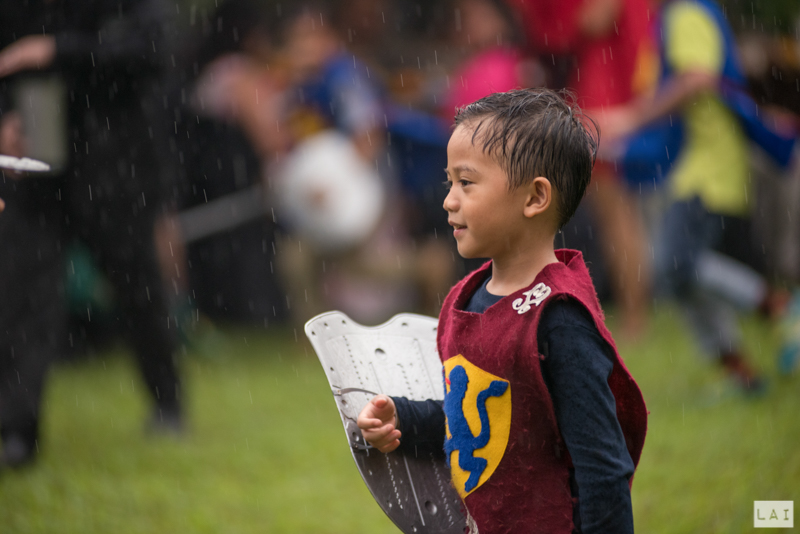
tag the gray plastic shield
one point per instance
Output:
(397, 358)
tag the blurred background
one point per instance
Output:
(224, 170)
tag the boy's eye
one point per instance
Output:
(463, 182)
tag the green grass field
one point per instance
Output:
(265, 451)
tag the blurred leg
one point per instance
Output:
(171, 253)
(625, 248)
(132, 268)
(689, 232)
(301, 272)
(732, 280)
(713, 323)
(32, 324)
(117, 223)
(435, 272)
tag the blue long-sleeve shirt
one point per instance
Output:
(576, 368)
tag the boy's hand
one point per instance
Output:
(378, 424)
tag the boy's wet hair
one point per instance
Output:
(537, 132)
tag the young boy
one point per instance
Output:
(544, 424)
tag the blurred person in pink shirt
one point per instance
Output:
(491, 37)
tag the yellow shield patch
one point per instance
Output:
(478, 409)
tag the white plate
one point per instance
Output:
(23, 164)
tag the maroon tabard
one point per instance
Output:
(507, 458)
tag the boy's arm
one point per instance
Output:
(576, 368)
(422, 424)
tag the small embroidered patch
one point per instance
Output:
(533, 296)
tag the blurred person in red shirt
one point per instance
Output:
(603, 50)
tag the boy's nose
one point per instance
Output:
(450, 203)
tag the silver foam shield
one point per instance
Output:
(397, 358)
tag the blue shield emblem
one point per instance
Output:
(478, 409)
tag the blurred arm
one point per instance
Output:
(596, 17)
(679, 91)
(695, 53)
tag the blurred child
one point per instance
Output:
(706, 228)
(544, 424)
(381, 272)
(331, 92)
(487, 30)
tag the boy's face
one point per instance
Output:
(485, 215)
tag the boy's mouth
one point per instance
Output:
(458, 229)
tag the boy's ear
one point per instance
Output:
(539, 197)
